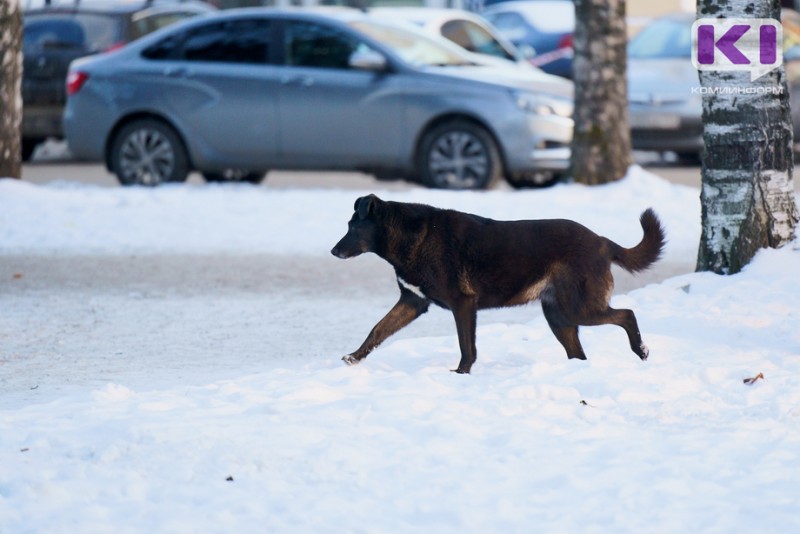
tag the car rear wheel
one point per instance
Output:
(459, 155)
(148, 152)
(235, 175)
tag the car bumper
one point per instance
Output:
(42, 122)
(672, 140)
(551, 159)
(666, 128)
(551, 137)
(86, 130)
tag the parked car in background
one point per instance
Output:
(469, 31)
(665, 113)
(546, 26)
(245, 91)
(56, 34)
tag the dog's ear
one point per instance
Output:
(367, 205)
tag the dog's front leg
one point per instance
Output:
(408, 308)
(466, 316)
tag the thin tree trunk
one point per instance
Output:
(747, 196)
(601, 146)
(10, 88)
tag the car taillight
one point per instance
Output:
(566, 41)
(75, 80)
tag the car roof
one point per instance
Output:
(326, 13)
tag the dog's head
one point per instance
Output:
(362, 230)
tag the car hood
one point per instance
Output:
(670, 79)
(511, 77)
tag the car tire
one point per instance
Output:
(459, 155)
(689, 158)
(148, 152)
(235, 175)
(533, 179)
(29, 147)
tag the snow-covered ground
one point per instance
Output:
(530, 442)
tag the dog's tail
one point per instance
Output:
(649, 249)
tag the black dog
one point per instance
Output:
(465, 263)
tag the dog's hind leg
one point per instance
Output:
(623, 318)
(565, 331)
(465, 313)
(408, 308)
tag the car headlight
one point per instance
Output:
(542, 105)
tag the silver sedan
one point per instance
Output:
(241, 92)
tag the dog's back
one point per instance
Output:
(505, 263)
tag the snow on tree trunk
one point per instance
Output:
(747, 193)
(601, 145)
(10, 88)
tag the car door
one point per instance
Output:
(227, 105)
(331, 114)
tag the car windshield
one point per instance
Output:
(667, 38)
(415, 48)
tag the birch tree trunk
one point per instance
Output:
(10, 88)
(601, 146)
(747, 196)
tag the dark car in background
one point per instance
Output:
(58, 32)
(546, 26)
(239, 93)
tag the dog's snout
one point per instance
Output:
(335, 251)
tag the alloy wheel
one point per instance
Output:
(146, 157)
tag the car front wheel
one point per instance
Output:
(148, 152)
(459, 155)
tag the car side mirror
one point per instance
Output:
(368, 60)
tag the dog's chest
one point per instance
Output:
(411, 287)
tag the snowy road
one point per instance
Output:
(155, 321)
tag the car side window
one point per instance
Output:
(472, 37)
(166, 48)
(237, 41)
(456, 31)
(314, 45)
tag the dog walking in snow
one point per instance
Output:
(465, 263)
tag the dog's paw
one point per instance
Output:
(351, 360)
(645, 352)
(460, 371)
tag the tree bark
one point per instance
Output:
(601, 146)
(747, 196)
(10, 88)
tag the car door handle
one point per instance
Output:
(177, 72)
(305, 81)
